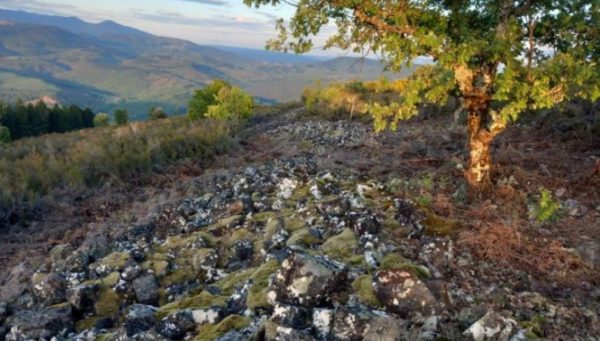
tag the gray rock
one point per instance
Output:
(149, 335)
(574, 208)
(146, 289)
(292, 316)
(290, 334)
(177, 325)
(589, 251)
(139, 318)
(3, 311)
(322, 321)
(43, 323)
(492, 326)
(308, 281)
(83, 296)
(242, 251)
(131, 272)
(385, 328)
(364, 223)
(403, 293)
(208, 315)
(351, 323)
(237, 302)
(16, 282)
(50, 288)
(408, 216)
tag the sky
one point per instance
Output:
(210, 22)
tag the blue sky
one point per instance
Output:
(221, 22)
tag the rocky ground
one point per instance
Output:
(316, 230)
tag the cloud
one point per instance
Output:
(211, 23)
(37, 6)
(209, 2)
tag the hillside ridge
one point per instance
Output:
(306, 225)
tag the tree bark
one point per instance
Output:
(478, 173)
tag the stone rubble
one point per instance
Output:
(281, 251)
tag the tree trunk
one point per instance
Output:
(478, 174)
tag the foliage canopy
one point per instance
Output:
(198, 106)
(102, 120)
(231, 103)
(500, 57)
(121, 116)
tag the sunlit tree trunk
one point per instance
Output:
(478, 173)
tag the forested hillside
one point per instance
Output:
(105, 66)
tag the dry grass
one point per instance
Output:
(33, 168)
(507, 245)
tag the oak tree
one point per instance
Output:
(500, 57)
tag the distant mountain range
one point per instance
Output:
(108, 65)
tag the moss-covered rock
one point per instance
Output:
(202, 300)
(238, 235)
(341, 247)
(302, 238)
(86, 324)
(159, 267)
(293, 223)
(108, 303)
(179, 276)
(234, 280)
(395, 261)
(363, 289)
(439, 226)
(214, 331)
(257, 296)
(115, 261)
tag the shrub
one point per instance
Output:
(198, 106)
(232, 103)
(101, 120)
(337, 100)
(4, 135)
(546, 209)
(121, 116)
(157, 113)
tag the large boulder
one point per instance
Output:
(49, 288)
(146, 289)
(292, 316)
(309, 281)
(139, 318)
(83, 296)
(41, 324)
(403, 293)
(177, 325)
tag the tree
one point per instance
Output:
(38, 118)
(231, 103)
(101, 120)
(4, 135)
(121, 116)
(156, 113)
(500, 57)
(87, 116)
(198, 106)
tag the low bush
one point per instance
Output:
(353, 100)
(101, 120)
(232, 103)
(198, 106)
